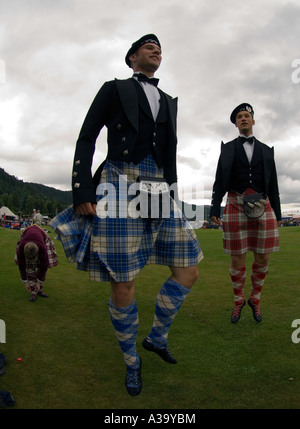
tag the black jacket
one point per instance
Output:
(116, 106)
(223, 179)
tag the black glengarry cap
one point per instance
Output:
(241, 107)
(148, 38)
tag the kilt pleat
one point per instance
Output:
(241, 234)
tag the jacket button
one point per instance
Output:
(125, 152)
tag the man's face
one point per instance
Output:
(244, 122)
(146, 59)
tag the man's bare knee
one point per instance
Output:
(122, 293)
(185, 276)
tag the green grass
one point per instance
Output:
(71, 359)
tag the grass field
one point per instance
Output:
(71, 359)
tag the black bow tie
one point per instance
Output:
(144, 78)
(246, 139)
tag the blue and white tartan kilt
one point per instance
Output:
(117, 247)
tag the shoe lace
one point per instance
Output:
(236, 310)
(132, 376)
(256, 309)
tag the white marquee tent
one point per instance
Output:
(5, 210)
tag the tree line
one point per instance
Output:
(22, 197)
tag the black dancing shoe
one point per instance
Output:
(32, 297)
(133, 380)
(255, 310)
(164, 353)
(42, 294)
(236, 314)
(6, 399)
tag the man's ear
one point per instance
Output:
(132, 57)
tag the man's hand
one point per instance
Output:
(86, 209)
(37, 286)
(27, 286)
(216, 220)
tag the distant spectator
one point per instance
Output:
(38, 218)
(3, 219)
(35, 253)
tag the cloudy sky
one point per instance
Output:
(55, 55)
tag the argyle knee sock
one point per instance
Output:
(125, 322)
(168, 302)
(258, 275)
(238, 277)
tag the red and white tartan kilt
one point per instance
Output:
(241, 234)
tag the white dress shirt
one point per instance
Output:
(249, 147)
(152, 95)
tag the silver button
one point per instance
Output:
(76, 185)
(77, 162)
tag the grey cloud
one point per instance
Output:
(215, 55)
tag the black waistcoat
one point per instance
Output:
(153, 135)
(244, 174)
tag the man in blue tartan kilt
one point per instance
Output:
(246, 170)
(107, 232)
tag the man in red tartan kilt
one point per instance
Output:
(246, 170)
(35, 253)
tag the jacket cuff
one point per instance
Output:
(215, 211)
(83, 195)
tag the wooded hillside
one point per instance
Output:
(23, 197)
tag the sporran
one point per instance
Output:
(154, 197)
(254, 205)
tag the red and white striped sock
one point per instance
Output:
(238, 277)
(258, 274)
